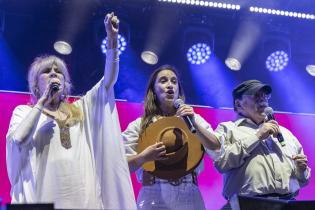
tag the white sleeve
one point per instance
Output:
(13, 151)
(214, 154)
(131, 137)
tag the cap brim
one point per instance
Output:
(262, 87)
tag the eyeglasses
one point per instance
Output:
(260, 95)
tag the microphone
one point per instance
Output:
(186, 118)
(269, 116)
(54, 87)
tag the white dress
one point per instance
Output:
(92, 174)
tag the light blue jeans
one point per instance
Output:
(185, 196)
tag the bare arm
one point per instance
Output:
(154, 152)
(112, 60)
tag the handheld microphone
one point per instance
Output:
(186, 118)
(269, 116)
(54, 87)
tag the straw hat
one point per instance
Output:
(183, 149)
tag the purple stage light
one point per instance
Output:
(198, 53)
(122, 44)
(277, 61)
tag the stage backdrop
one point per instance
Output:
(210, 181)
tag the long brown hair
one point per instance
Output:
(151, 104)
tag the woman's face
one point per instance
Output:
(50, 75)
(166, 87)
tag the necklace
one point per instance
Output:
(64, 133)
(64, 127)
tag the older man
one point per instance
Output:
(254, 162)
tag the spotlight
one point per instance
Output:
(233, 64)
(204, 4)
(149, 57)
(199, 53)
(63, 47)
(276, 51)
(122, 44)
(282, 13)
(198, 42)
(311, 70)
(277, 61)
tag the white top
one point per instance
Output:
(259, 166)
(131, 137)
(92, 174)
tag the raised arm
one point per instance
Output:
(112, 60)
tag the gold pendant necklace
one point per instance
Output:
(64, 133)
(64, 129)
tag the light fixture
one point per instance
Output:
(63, 47)
(198, 53)
(121, 45)
(282, 13)
(311, 69)
(149, 57)
(204, 3)
(277, 61)
(233, 64)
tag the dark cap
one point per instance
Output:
(250, 87)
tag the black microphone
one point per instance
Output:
(269, 116)
(186, 118)
(54, 87)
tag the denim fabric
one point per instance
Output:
(185, 196)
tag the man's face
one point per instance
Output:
(253, 106)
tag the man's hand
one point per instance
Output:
(300, 162)
(269, 128)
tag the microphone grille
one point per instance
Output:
(178, 102)
(268, 110)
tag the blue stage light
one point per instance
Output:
(122, 44)
(277, 61)
(204, 3)
(198, 53)
(292, 14)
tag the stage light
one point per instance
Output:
(71, 25)
(311, 70)
(204, 3)
(277, 61)
(198, 44)
(282, 13)
(63, 47)
(244, 41)
(149, 57)
(276, 51)
(198, 53)
(233, 64)
(122, 44)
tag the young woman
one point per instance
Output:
(163, 89)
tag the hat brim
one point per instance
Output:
(259, 87)
(187, 161)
